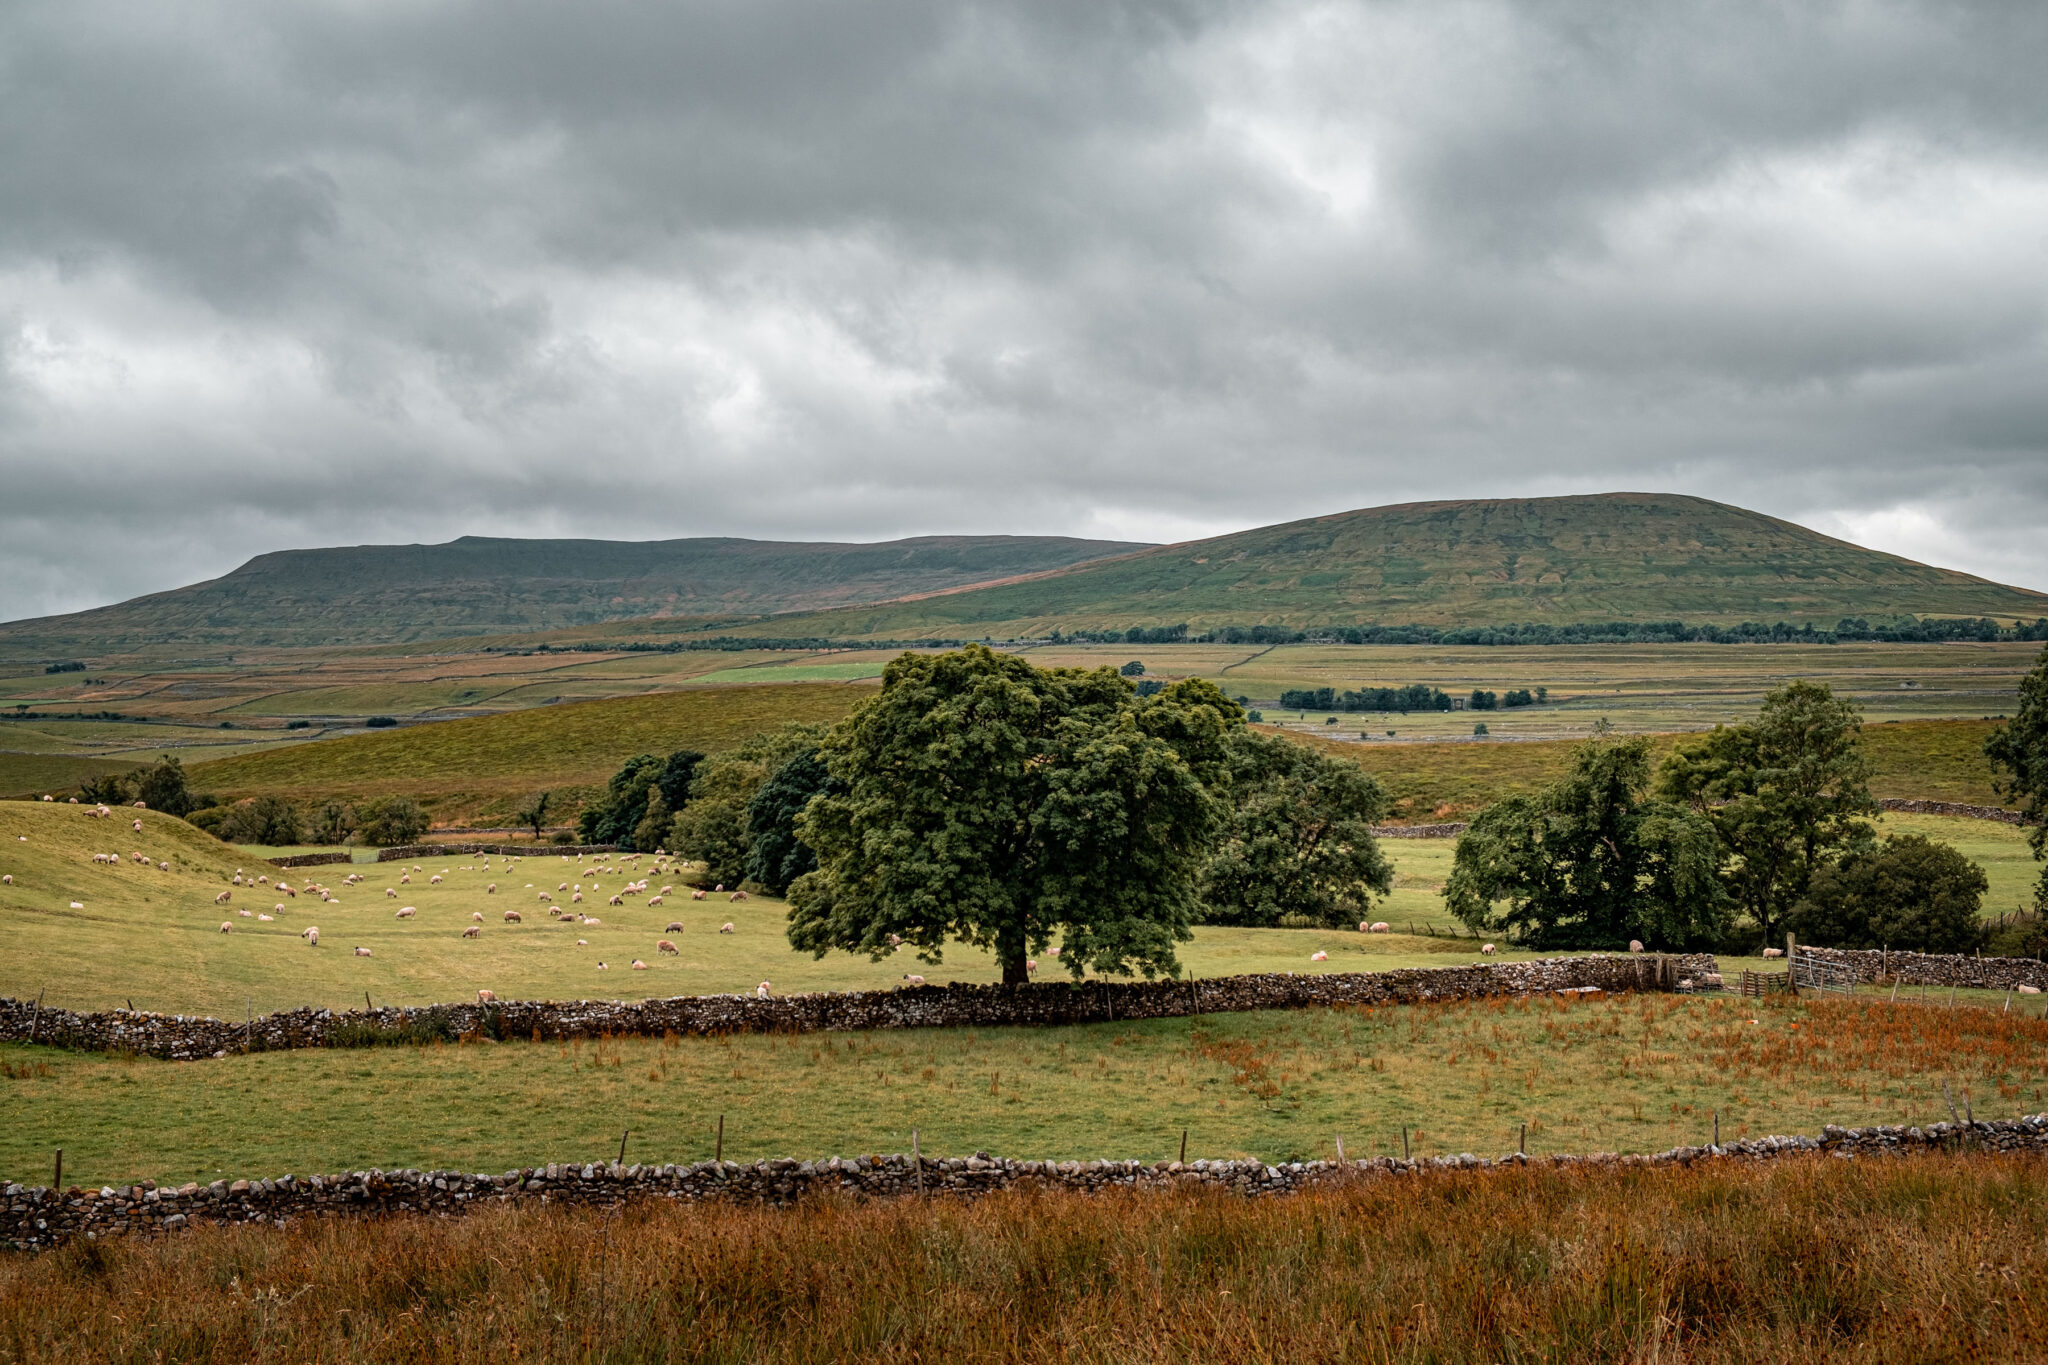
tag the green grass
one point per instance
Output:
(483, 767)
(30, 775)
(1623, 1074)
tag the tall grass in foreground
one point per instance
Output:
(1928, 1260)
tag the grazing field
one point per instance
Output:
(1940, 1259)
(1627, 1073)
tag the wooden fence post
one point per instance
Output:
(917, 1162)
(1404, 1142)
(1183, 1146)
(35, 1015)
(622, 1146)
(57, 1180)
(718, 1152)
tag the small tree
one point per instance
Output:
(393, 822)
(999, 804)
(1299, 842)
(2018, 751)
(535, 814)
(109, 789)
(1590, 862)
(1909, 892)
(1133, 669)
(777, 854)
(652, 831)
(162, 787)
(713, 827)
(334, 823)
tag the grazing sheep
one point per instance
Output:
(407, 911)
(614, 901)
(663, 892)
(1030, 964)
(697, 893)
(362, 952)
(565, 886)
(7, 880)
(286, 889)
(725, 928)
(1052, 952)
(434, 880)
(1318, 957)
(653, 901)
(471, 932)
(675, 926)
(1635, 945)
(895, 940)
(138, 827)
(638, 965)
(738, 896)
(477, 915)
(1486, 948)
(1381, 927)
(485, 997)
(512, 917)
(238, 876)
(719, 887)
(913, 979)
(392, 892)
(1774, 952)
(545, 896)
(227, 926)
(664, 946)
(491, 890)
(312, 936)
(582, 943)
(603, 967)
(761, 991)
(405, 879)
(222, 898)
(265, 881)
(163, 867)
(277, 909)
(576, 898)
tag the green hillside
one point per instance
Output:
(1603, 557)
(482, 585)
(482, 769)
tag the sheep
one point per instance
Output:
(604, 967)
(477, 915)
(663, 892)
(638, 965)
(405, 879)
(286, 889)
(1774, 952)
(545, 896)
(1030, 964)
(227, 926)
(223, 898)
(266, 919)
(406, 912)
(761, 991)
(719, 887)
(7, 880)
(614, 901)
(1635, 945)
(576, 898)
(245, 914)
(592, 919)
(434, 880)
(238, 876)
(362, 952)
(391, 892)
(1487, 948)
(485, 997)
(895, 940)
(491, 890)
(137, 827)
(1318, 956)
(2030, 990)
(512, 917)
(725, 928)
(277, 909)
(913, 979)
(737, 896)
(664, 946)
(163, 867)
(675, 926)
(653, 901)
(1052, 952)
(582, 943)
(78, 905)
(311, 933)
(697, 893)
(471, 932)
(565, 886)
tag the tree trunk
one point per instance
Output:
(1010, 952)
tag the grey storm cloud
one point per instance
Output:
(319, 273)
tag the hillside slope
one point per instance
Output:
(477, 585)
(1600, 557)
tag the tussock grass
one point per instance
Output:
(1939, 1259)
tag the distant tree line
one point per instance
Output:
(269, 820)
(1414, 697)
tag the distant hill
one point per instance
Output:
(380, 594)
(1597, 558)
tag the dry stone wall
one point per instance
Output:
(310, 859)
(403, 851)
(1450, 831)
(36, 1217)
(1918, 807)
(961, 1005)
(1937, 969)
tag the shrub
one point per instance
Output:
(381, 722)
(298, 725)
(1910, 892)
(392, 822)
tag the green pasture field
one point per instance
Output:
(24, 775)
(1630, 1073)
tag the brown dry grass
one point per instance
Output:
(1936, 1259)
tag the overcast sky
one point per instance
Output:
(284, 274)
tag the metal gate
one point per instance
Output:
(1811, 972)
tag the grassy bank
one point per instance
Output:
(1626, 1074)
(1940, 1259)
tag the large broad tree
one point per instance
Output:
(712, 827)
(1786, 794)
(1002, 805)
(1909, 892)
(1591, 862)
(1299, 841)
(2018, 751)
(776, 852)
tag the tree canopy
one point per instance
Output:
(1591, 862)
(776, 854)
(1001, 804)
(1299, 842)
(2018, 751)
(1785, 794)
(620, 815)
(1910, 892)
(713, 826)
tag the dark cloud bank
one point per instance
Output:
(319, 273)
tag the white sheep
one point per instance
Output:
(737, 896)
(1319, 957)
(1774, 952)
(163, 867)
(913, 979)
(638, 965)
(1030, 965)
(1635, 945)
(246, 914)
(1486, 948)
(434, 880)
(485, 997)
(227, 926)
(406, 911)
(362, 952)
(311, 933)
(266, 919)
(137, 827)
(761, 991)
(391, 892)
(614, 901)
(592, 919)
(277, 909)
(697, 893)
(576, 898)
(512, 917)
(603, 967)
(7, 880)
(477, 915)
(222, 898)
(653, 901)
(545, 896)
(471, 932)
(2030, 990)
(582, 943)
(491, 890)
(725, 928)
(78, 905)
(664, 946)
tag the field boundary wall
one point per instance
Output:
(310, 859)
(392, 855)
(1956, 808)
(177, 1037)
(36, 1217)
(1937, 969)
